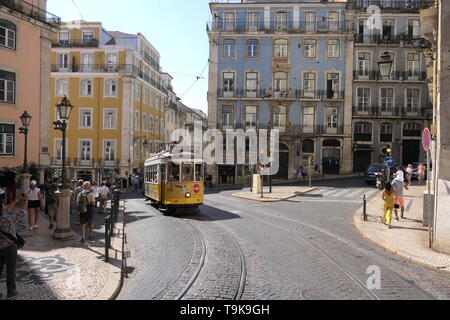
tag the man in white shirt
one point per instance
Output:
(104, 193)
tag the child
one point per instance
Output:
(389, 203)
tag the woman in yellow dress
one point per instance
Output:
(389, 204)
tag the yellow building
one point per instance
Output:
(115, 84)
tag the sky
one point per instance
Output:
(176, 28)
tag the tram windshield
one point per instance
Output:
(199, 172)
(174, 172)
(188, 172)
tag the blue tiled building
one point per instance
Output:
(286, 65)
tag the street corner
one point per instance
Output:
(278, 194)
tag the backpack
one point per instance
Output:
(83, 202)
(51, 197)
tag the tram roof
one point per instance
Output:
(167, 156)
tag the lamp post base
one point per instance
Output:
(63, 230)
(26, 177)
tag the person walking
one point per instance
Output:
(421, 174)
(10, 181)
(76, 192)
(34, 198)
(85, 205)
(95, 190)
(136, 183)
(51, 202)
(389, 204)
(409, 173)
(104, 194)
(399, 185)
(8, 248)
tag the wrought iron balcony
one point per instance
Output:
(383, 112)
(374, 75)
(76, 43)
(93, 68)
(32, 11)
(392, 5)
(384, 39)
(150, 60)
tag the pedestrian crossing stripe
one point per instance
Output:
(339, 193)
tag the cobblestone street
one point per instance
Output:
(303, 248)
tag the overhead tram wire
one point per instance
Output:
(79, 11)
(198, 78)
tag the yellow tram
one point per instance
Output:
(172, 185)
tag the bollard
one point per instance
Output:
(365, 208)
(107, 238)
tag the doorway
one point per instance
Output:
(411, 151)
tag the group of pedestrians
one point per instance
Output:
(87, 196)
(393, 197)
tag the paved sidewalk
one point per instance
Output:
(278, 194)
(408, 238)
(48, 269)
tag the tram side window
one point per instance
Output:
(199, 172)
(188, 172)
(174, 172)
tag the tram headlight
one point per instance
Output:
(188, 195)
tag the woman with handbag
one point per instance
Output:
(10, 242)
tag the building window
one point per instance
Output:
(363, 98)
(310, 48)
(63, 62)
(64, 38)
(280, 116)
(413, 97)
(252, 21)
(363, 132)
(363, 64)
(333, 21)
(386, 132)
(144, 122)
(150, 124)
(111, 59)
(62, 87)
(228, 84)
(85, 119)
(388, 29)
(281, 48)
(157, 132)
(280, 84)
(252, 48)
(333, 80)
(7, 34)
(281, 20)
(88, 37)
(110, 119)
(414, 29)
(137, 93)
(228, 48)
(87, 62)
(137, 121)
(7, 132)
(109, 150)
(86, 88)
(332, 118)
(227, 117)
(334, 48)
(412, 130)
(309, 119)
(309, 84)
(85, 150)
(251, 117)
(7, 86)
(310, 20)
(413, 65)
(110, 88)
(387, 99)
(251, 84)
(230, 21)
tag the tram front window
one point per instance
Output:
(199, 172)
(174, 172)
(188, 172)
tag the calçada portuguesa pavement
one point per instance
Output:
(49, 269)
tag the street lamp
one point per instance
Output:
(63, 230)
(385, 65)
(25, 118)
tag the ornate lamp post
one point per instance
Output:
(385, 65)
(63, 229)
(25, 118)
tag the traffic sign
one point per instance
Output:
(426, 139)
(389, 162)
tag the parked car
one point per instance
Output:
(372, 173)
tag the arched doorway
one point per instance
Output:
(283, 171)
(331, 157)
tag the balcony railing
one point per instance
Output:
(32, 11)
(383, 39)
(396, 75)
(290, 94)
(76, 43)
(104, 163)
(150, 60)
(394, 5)
(376, 111)
(241, 26)
(290, 129)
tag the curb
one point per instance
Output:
(236, 195)
(400, 253)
